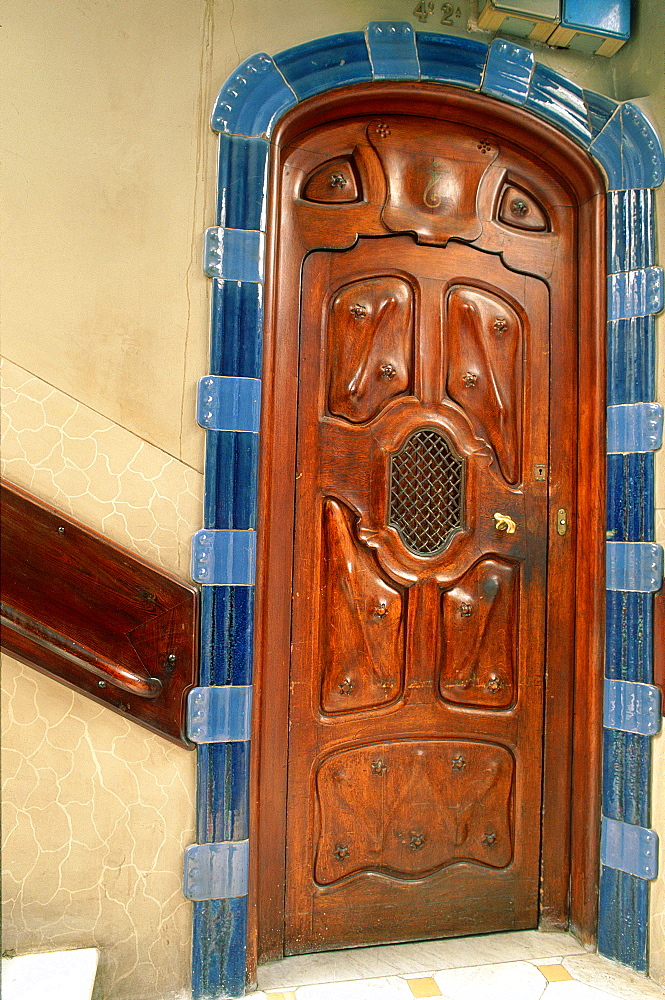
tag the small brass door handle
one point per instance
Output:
(504, 523)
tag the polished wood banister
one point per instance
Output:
(89, 613)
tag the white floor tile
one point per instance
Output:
(385, 988)
(58, 975)
(615, 979)
(576, 991)
(508, 981)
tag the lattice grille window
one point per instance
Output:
(426, 492)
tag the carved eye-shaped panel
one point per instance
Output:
(521, 211)
(334, 183)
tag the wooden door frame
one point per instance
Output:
(578, 783)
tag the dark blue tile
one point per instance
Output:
(631, 360)
(630, 497)
(600, 109)
(508, 71)
(624, 912)
(392, 50)
(607, 148)
(626, 776)
(642, 152)
(560, 101)
(448, 59)
(253, 98)
(630, 230)
(237, 327)
(326, 63)
(242, 187)
(227, 629)
(629, 634)
(222, 792)
(219, 936)
(231, 480)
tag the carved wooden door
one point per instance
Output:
(418, 252)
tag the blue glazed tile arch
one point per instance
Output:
(624, 143)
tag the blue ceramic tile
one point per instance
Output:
(634, 427)
(629, 633)
(508, 71)
(629, 706)
(635, 293)
(224, 558)
(325, 63)
(238, 254)
(232, 464)
(560, 101)
(642, 152)
(600, 109)
(223, 714)
(630, 230)
(229, 403)
(222, 792)
(631, 360)
(219, 936)
(626, 773)
(237, 328)
(216, 871)
(607, 149)
(634, 566)
(227, 629)
(242, 185)
(629, 848)
(252, 99)
(612, 19)
(630, 497)
(392, 50)
(624, 910)
(448, 59)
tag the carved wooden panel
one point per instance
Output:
(432, 176)
(370, 335)
(485, 349)
(521, 210)
(407, 809)
(362, 633)
(479, 636)
(334, 182)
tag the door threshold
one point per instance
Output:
(417, 957)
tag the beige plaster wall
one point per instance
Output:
(109, 185)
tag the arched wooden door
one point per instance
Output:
(425, 327)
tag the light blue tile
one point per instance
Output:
(392, 50)
(560, 101)
(508, 71)
(221, 714)
(642, 152)
(216, 871)
(242, 182)
(325, 63)
(252, 99)
(634, 427)
(635, 293)
(600, 109)
(630, 706)
(237, 254)
(630, 229)
(224, 558)
(629, 848)
(636, 566)
(598, 16)
(607, 149)
(229, 403)
(448, 59)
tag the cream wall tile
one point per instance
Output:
(96, 815)
(657, 903)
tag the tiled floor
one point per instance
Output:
(522, 965)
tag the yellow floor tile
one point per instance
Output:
(425, 987)
(281, 996)
(555, 973)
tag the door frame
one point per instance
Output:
(621, 139)
(573, 779)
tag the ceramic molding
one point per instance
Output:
(621, 139)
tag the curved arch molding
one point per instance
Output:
(623, 142)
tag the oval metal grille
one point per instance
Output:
(426, 492)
